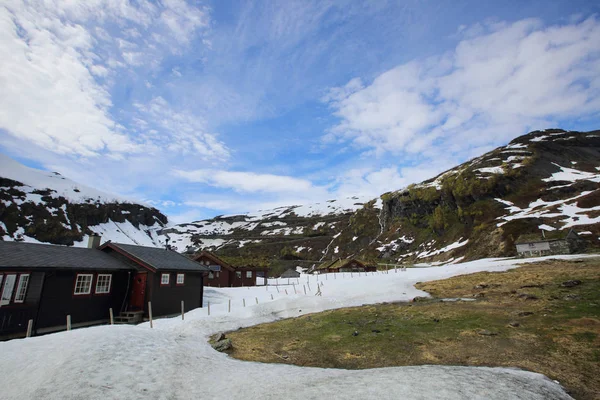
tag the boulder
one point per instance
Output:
(222, 345)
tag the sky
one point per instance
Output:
(203, 108)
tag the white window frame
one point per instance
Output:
(21, 292)
(164, 281)
(3, 299)
(211, 275)
(238, 274)
(89, 288)
(102, 289)
(248, 274)
(180, 281)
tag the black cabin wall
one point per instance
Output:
(14, 317)
(59, 300)
(166, 300)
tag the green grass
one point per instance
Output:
(558, 333)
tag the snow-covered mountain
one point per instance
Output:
(42, 206)
(545, 180)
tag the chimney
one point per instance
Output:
(94, 241)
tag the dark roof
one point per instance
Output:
(34, 255)
(549, 236)
(290, 273)
(157, 258)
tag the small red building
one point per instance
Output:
(223, 274)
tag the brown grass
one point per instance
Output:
(558, 332)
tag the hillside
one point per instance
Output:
(543, 180)
(41, 206)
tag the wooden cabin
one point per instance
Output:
(163, 277)
(290, 273)
(346, 265)
(224, 274)
(45, 283)
(549, 243)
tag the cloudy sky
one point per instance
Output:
(214, 107)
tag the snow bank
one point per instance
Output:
(173, 360)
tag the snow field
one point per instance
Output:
(174, 361)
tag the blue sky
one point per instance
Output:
(219, 107)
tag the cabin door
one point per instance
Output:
(138, 292)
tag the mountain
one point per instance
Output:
(41, 206)
(545, 180)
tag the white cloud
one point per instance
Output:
(60, 61)
(499, 81)
(249, 182)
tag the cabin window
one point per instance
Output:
(211, 275)
(83, 284)
(180, 279)
(9, 284)
(248, 274)
(238, 274)
(218, 274)
(164, 279)
(103, 283)
(22, 288)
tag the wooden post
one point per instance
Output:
(244, 300)
(256, 300)
(294, 288)
(229, 307)
(209, 308)
(286, 292)
(277, 287)
(182, 311)
(271, 296)
(150, 313)
(112, 318)
(304, 286)
(29, 327)
(68, 322)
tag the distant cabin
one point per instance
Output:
(290, 273)
(346, 265)
(550, 243)
(45, 283)
(224, 274)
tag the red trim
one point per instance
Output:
(161, 275)
(126, 254)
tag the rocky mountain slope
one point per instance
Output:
(545, 180)
(40, 206)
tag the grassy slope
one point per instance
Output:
(560, 338)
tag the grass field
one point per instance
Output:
(520, 318)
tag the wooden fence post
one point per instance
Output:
(286, 292)
(29, 327)
(244, 300)
(111, 315)
(294, 288)
(271, 296)
(68, 322)
(209, 308)
(256, 300)
(277, 287)
(304, 286)
(150, 313)
(182, 311)
(229, 306)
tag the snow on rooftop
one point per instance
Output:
(174, 359)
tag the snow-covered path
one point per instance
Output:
(174, 360)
